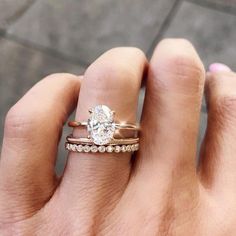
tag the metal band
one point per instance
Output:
(101, 149)
(77, 140)
(75, 124)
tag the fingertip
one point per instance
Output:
(218, 67)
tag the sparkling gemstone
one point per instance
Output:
(101, 148)
(109, 149)
(94, 148)
(128, 148)
(133, 148)
(117, 149)
(73, 147)
(67, 146)
(79, 148)
(136, 147)
(86, 148)
(123, 148)
(101, 126)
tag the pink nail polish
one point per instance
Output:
(218, 67)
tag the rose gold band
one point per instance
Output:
(101, 148)
(75, 124)
(123, 141)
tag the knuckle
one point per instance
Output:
(221, 96)
(183, 67)
(222, 112)
(118, 66)
(180, 71)
(176, 63)
(20, 123)
(225, 106)
(108, 75)
(218, 84)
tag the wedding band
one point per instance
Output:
(101, 148)
(123, 141)
(101, 128)
(75, 124)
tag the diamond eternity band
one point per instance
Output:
(101, 148)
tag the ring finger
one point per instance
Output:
(114, 80)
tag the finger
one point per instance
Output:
(170, 122)
(114, 79)
(32, 131)
(217, 166)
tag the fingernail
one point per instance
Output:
(218, 67)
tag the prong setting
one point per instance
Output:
(101, 125)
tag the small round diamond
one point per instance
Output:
(79, 148)
(73, 147)
(86, 148)
(109, 149)
(123, 148)
(94, 148)
(67, 146)
(128, 148)
(117, 149)
(133, 148)
(136, 147)
(101, 148)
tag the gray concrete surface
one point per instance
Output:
(212, 32)
(11, 10)
(40, 37)
(84, 30)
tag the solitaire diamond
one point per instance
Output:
(101, 126)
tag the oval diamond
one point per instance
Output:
(101, 126)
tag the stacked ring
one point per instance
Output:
(89, 141)
(101, 128)
(102, 148)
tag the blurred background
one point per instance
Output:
(40, 37)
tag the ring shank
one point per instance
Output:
(77, 140)
(75, 124)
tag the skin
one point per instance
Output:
(161, 191)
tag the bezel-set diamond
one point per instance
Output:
(79, 148)
(123, 148)
(128, 148)
(101, 148)
(86, 148)
(94, 148)
(73, 147)
(117, 149)
(109, 149)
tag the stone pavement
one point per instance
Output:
(40, 37)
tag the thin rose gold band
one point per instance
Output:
(101, 148)
(78, 140)
(75, 124)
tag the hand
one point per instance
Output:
(159, 192)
